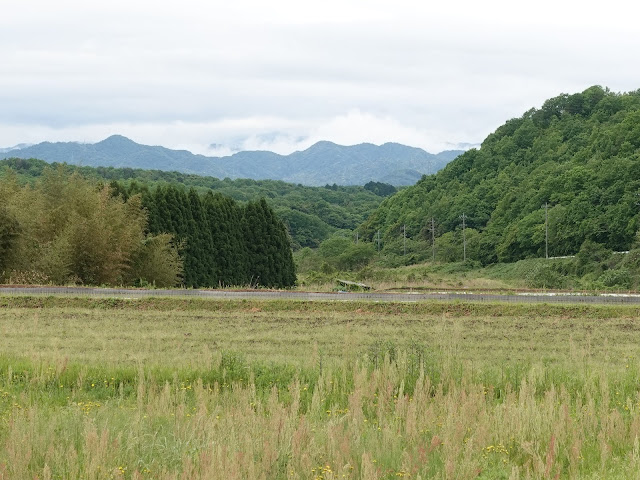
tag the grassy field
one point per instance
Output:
(192, 388)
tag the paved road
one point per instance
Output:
(380, 297)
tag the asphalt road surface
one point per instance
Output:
(337, 296)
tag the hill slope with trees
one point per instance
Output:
(577, 158)
(311, 214)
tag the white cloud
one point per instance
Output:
(285, 73)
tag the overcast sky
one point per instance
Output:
(280, 75)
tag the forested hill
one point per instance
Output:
(322, 163)
(579, 153)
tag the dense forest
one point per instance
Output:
(65, 229)
(568, 172)
(311, 214)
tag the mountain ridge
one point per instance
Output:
(322, 163)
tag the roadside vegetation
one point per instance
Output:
(593, 269)
(200, 389)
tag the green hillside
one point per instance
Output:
(579, 153)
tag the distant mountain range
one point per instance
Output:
(17, 147)
(322, 163)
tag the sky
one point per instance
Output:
(216, 77)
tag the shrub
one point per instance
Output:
(616, 278)
(591, 257)
(543, 275)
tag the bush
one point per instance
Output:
(591, 257)
(157, 263)
(356, 256)
(616, 278)
(632, 260)
(543, 275)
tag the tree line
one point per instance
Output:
(311, 214)
(66, 229)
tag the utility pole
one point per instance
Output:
(378, 238)
(404, 239)
(546, 230)
(433, 240)
(464, 238)
(356, 237)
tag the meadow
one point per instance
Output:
(168, 388)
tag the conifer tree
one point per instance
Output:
(9, 231)
(269, 249)
(223, 243)
(199, 235)
(228, 246)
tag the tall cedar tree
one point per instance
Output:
(229, 248)
(223, 243)
(271, 260)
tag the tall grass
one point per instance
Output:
(197, 389)
(390, 414)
